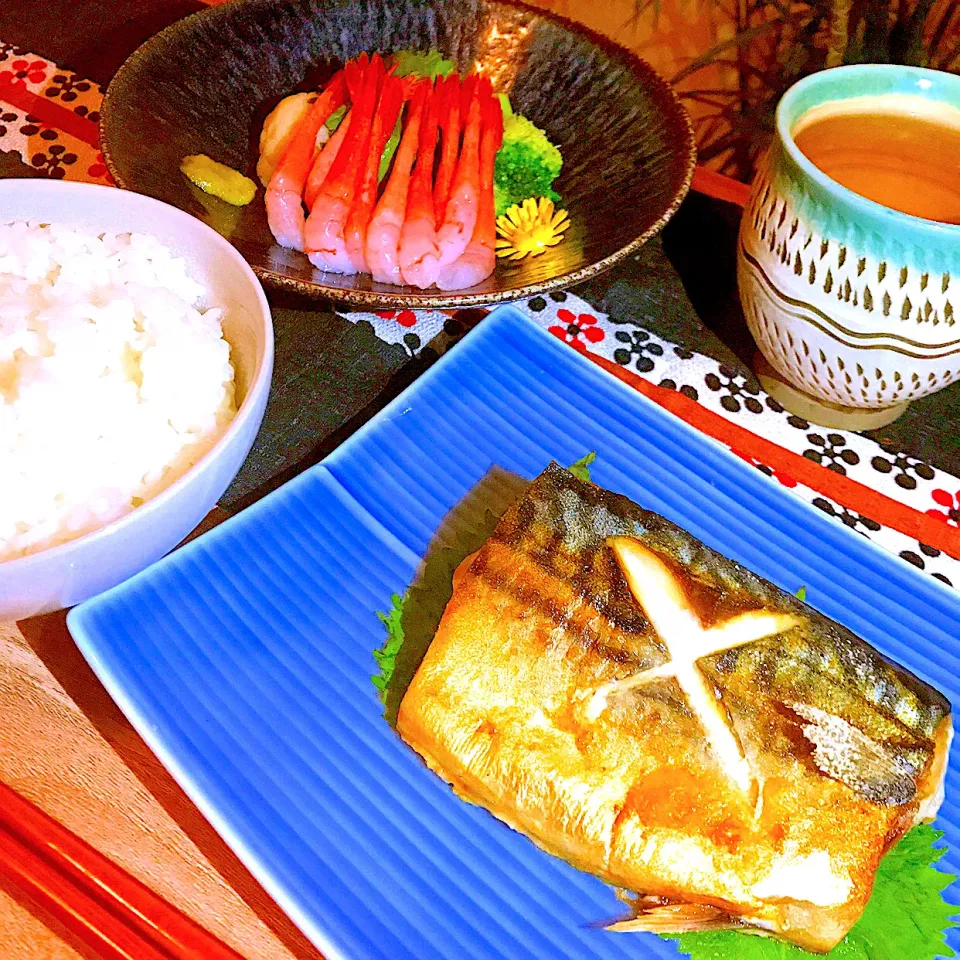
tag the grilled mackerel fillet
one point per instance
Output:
(662, 718)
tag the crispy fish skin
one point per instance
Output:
(846, 750)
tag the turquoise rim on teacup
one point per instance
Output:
(840, 213)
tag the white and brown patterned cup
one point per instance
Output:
(853, 305)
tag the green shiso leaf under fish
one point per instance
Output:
(386, 656)
(906, 917)
(581, 469)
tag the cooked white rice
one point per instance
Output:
(113, 379)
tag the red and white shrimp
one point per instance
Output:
(324, 231)
(460, 215)
(382, 248)
(323, 161)
(419, 254)
(285, 189)
(384, 120)
(449, 117)
(478, 261)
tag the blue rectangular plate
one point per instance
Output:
(244, 659)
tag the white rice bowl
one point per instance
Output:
(114, 380)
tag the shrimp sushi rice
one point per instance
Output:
(115, 379)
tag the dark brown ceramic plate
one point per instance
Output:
(205, 84)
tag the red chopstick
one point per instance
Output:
(110, 911)
(720, 187)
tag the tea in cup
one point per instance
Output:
(849, 248)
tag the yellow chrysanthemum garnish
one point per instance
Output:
(527, 229)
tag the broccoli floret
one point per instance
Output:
(526, 165)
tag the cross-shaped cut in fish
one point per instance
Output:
(668, 609)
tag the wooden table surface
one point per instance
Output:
(65, 745)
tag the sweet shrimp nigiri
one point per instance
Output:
(383, 235)
(460, 215)
(384, 120)
(448, 90)
(478, 261)
(324, 230)
(285, 190)
(419, 254)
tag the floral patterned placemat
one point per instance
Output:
(49, 115)
(902, 504)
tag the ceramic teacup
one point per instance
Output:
(854, 305)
